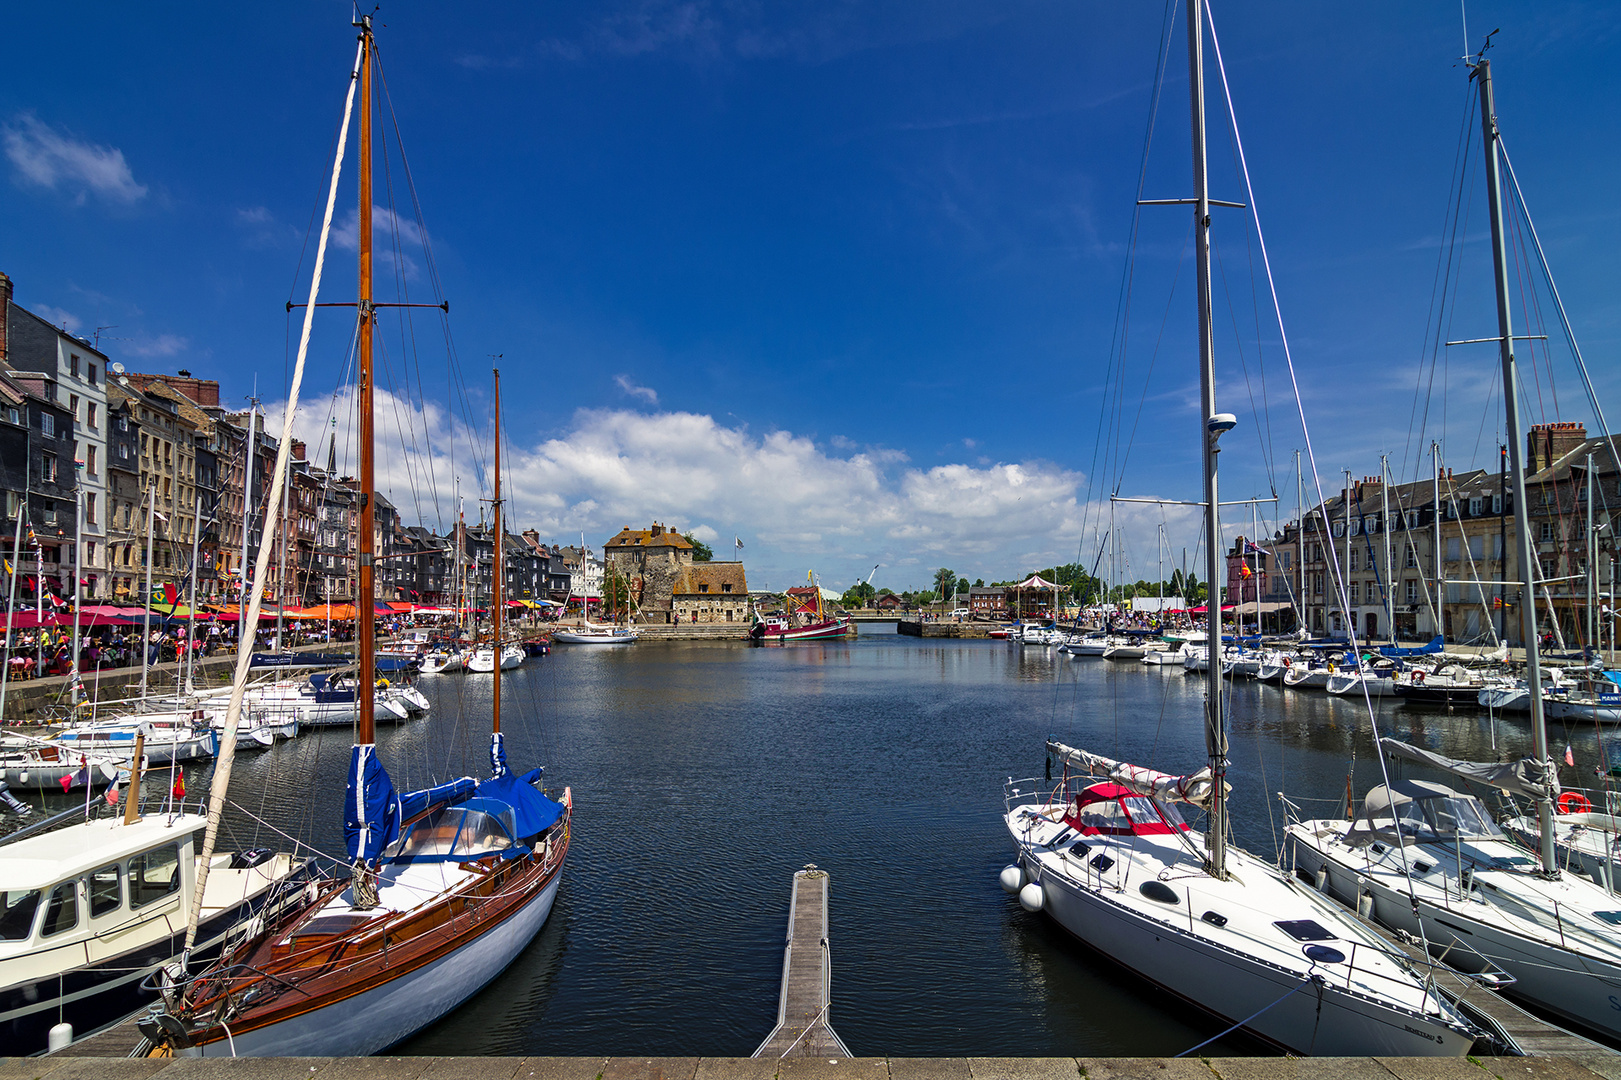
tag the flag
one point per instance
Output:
(1244, 571)
(76, 780)
(9, 570)
(112, 794)
(179, 789)
(738, 540)
(1570, 758)
(1253, 549)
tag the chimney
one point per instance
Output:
(5, 308)
(1547, 443)
(658, 530)
(298, 450)
(533, 536)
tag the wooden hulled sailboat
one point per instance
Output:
(447, 886)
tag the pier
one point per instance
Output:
(803, 1029)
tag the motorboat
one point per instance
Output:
(483, 660)
(91, 912)
(1446, 683)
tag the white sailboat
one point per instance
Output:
(1428, 860)
(1108, 856)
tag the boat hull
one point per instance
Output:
(1582, 989)
(377, 1018)
(837, 628)
(1337, 1026)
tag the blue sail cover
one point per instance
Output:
(371, 810)
(532, 812)
(498, 755)
(413, 803)
(1435, 645)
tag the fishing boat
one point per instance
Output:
(1105, 852)
(1428, 860)
(447, 885)
(811, 621)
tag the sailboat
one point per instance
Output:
(447, 885)
(1428, 859)
(1106, 853)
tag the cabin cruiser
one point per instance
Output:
(90, 912)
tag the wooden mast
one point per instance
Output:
(499, 571)
(365, 603)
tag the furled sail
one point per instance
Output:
(1527, 776)
(371, 810)
(1196, 789)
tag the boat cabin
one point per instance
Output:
(79, 884)
(1114, 810)
(1423, 811)
(464, 832)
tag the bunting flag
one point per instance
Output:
(1570, 757)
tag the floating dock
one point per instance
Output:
(803, 1029)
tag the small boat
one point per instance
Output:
(170, 737)
(1165, 657)
(90, 912)
(1444, 684)
(1312, 675)
(592, 634)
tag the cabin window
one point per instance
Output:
(154, 875)
(17, 909)
(61, 909)
(106, 890)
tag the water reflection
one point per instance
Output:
(704, 774)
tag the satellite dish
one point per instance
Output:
(118, 369)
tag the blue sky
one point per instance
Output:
(839, 279)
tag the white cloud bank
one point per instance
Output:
(48, 158)
(797, 504)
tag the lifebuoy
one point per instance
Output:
(1418, 678)
(1285, 661)
(1574, 802)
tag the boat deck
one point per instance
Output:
(803, 1028)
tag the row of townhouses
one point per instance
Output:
(1438, 555)
(115, 473)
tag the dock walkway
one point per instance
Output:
(803, 1029)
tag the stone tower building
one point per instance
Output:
(652, 561)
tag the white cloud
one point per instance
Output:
(162, 345)
(796, 505)
(387, 227)
(702, 532)
(57, 317)
(47, 158)
(624, 383)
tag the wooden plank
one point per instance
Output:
(803, 1028)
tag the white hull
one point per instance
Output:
(1577, 985)
(1243, 964)
(573, 637)
(1357, 684)
(387, 1014)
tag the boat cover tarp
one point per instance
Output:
(1533, 779)
(1196, 789)
(1435, 645)
(532, 812)
(413, 803)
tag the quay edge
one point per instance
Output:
(1597, 1066)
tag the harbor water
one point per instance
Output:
(705, 773)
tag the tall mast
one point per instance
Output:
(151, 557)
(1212, 425)
(1516, 448)
(1592, 567)
(365, 603)
(1437, 608)
(1384, 527)
(500, 570)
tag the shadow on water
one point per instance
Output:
(704, 774)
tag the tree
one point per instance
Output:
(859, 595)
(962, 586)
(701, 552)
(616, 591)
(979, 583)
(944, 582)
